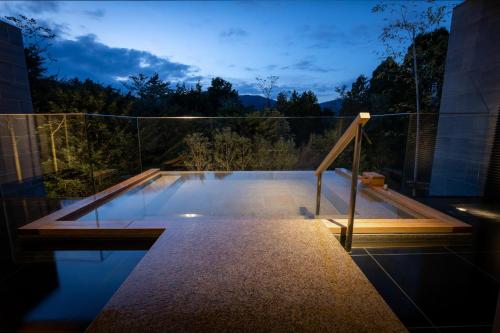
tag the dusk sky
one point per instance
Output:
(309, 45)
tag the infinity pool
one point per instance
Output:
(290, 194)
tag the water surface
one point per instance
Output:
(61, 290)
(241, 194)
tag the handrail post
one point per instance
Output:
(354, 187)
(353, 132)
(318, 193)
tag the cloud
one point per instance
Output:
(59, 29)
(86, 57)
(305, 65)
(310, 66)
(270, 67)
(31, 7)
(97, 13)
(193, 79)
(233, 34)
(326, 35)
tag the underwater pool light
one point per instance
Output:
(190, 215)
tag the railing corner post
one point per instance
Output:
(318, 194)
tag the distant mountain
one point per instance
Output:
(256, 101)
(333, 105)
(259, 103)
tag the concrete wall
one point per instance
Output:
(470, 100)
(19, 158)
(14, 86)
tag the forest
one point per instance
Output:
(83, 151)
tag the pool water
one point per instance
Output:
(62, 290)
(289, 194)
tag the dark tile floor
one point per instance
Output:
(443, 288)
(435, 288)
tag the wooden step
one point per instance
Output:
(394, 226)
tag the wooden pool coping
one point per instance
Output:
(433, 221)
(62, 224)
(59, 223)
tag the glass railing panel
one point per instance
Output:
(44, 155)
(114, 149)
(73, 155)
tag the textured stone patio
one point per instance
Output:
(250, 275)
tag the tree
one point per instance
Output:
(222, 98)
(431, 50)
(355, 100)
(199, 152)
(137, 84)
(54, 125)
(390, 89)
(231, 151)
(279, 155)
(281, 100)
(409, 20)
(267, 85)
(300, 105)
(9, 123)
(152, 93)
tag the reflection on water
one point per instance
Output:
(240, 194)
(61, 290)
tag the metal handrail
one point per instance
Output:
(354, 131)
